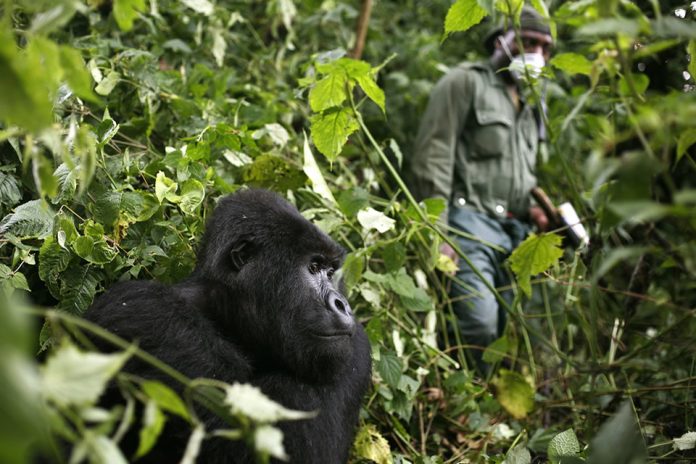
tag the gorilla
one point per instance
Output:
(261, 307)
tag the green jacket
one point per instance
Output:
(473, 148)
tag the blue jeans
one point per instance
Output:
(480, 317)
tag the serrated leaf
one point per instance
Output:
(370, 444)
(329, 92)
(330, 131)
(125, 12)
(165, 397)
(536, 254)
(514, 393)
(93, 250)
(71, 377)
(153, 424)
(192, 195)
(249, 401)
(462, 15)
(10, 194)
(33, 219)
(371, 219)
(53, 259)
(572, 63)
(372, 90)
(314, 174)
(563, 444)
(78, 286)
(389, 367)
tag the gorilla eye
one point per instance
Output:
(330, 272)
(314, 267)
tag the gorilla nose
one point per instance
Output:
(337, 303)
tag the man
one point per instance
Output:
(477, 148)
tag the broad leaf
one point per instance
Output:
(329, 92)
(462, 15)
(371, 219)
(330, 131)
(514, 393)
(33, 219)
(165, 397)
(536, 254)
(314, 174)
(251, 402)
(372, 90)
(192, 195)
(153, 424)
(572, 63)
(389, 367)
(269, 440)
(125, 12)
(72, 377)
(563, 444)
(619, 440)
(688, 137)
(370, 444)
(10, 194)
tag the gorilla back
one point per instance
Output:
(261, 307)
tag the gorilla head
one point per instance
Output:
(277, 270)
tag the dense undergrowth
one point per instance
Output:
(122, 122)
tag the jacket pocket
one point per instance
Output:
(490, 135)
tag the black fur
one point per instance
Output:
(259, 308)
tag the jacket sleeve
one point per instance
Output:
(433, 159)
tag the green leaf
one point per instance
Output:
(572, 63)
(686, 138)
(108, 83)
(514, 393)
(85, 146)
(536, 254)
(372, 90)
(76, 73)
(563, 444)
(518, 455)
(46, 181)
(496, 350)
(28, 104)
(352, 269)
(33, 219)
(125, 12)
(165, 397)
(10, 194)
(462, 15)
(53, 260)
(49, 20)
(330, 130)
(94, 250)
(78, 287)
(72, 377)
(153, 424)
(192, 194)
(331, 91)
(371, 445)
(389, 367)
(165, 188)
(619, 440)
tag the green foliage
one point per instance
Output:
(536, 254)
(462, 15)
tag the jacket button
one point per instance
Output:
(500, 209)
(461, 201)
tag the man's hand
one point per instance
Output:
(538, 217)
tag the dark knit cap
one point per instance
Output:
(530, 20)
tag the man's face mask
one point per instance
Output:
(533, 62)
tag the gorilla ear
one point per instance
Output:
(240, 254)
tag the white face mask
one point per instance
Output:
(534, 62)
